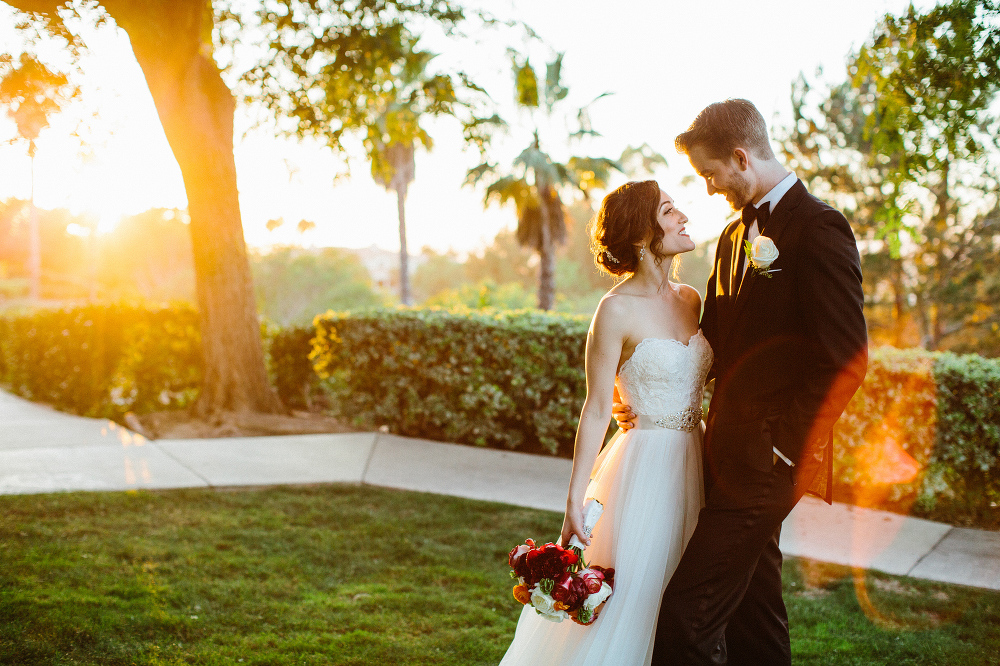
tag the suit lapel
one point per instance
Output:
(776, 226)
(736, 238)
(726, 283)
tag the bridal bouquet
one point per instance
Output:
(557, 582)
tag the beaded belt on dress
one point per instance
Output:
(686, 420)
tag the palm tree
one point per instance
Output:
(393, 136)
(535, 183)
(32, 94)
(383, 98)
(394, 132)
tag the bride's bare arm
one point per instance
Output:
(604, 345)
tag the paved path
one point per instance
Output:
(42, 450)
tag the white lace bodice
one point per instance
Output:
(665, 376)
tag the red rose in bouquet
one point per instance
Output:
(549, 561)
(558, 583)
(517, 559)
(570, 590)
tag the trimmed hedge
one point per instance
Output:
(103, 360)
(291, 371)
(886, 437)
(964, 478)
(511, 379)
(921, 436)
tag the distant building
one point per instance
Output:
(383, 265)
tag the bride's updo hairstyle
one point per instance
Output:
(626, 219)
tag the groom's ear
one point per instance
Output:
(741, 157)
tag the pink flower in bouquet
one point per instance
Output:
(549, 561)
(593, 579)
(609, 574)
(570, 590)
(517, 558)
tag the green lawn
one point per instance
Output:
(358, 575)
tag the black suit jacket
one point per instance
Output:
(790, 350)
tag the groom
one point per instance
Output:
(790, 346)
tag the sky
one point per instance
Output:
(663, 62)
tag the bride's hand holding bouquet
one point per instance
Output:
(556, 581)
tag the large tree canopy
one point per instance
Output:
(334, 70)
(173, 43)
(908, 146)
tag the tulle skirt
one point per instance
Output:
(650, 483)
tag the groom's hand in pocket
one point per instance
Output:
(622, 413)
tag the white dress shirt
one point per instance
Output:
(771, 198)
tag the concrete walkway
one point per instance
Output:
(42, 450)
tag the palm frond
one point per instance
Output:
(510, 189)
(529, 222)
(587, 173)
(554, 90)
(476, 174)
(640, 160)
(539, 163)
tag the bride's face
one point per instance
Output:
(672, 221)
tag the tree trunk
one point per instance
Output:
(172, 42)
(547, 255)
(404, 257)
(899, 301)
(35, 239)
(923, 321)
(939, 227)
(196, 110)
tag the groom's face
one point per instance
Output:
(726, 176)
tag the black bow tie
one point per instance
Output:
(750, 213)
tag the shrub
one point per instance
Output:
(103, 360)
(290, 369)
(885, 439)
(922, 435)
(512, 379)
(965, 467)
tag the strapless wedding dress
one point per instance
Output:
(650, 483)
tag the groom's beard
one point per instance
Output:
(738, 193)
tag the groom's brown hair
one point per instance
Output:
(722, 127)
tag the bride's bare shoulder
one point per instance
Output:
(619, 301)
(690, 294)
(615, 309)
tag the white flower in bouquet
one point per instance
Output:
(545, 606)
(597, 598)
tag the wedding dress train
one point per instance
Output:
(650, 483)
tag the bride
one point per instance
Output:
(644, 343)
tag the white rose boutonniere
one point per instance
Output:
(761, 254)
